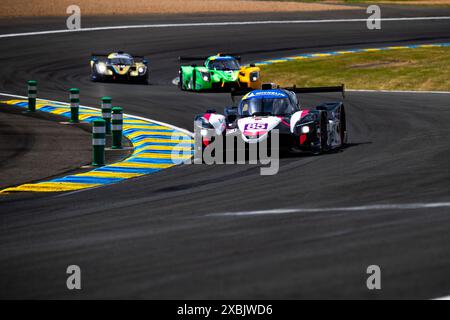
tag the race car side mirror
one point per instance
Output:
(145, 61)
(252, 65)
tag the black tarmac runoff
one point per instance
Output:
(36, 146)
(225, 231)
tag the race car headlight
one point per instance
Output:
(101, 68)
(204, 132)
(305, 129)
(206, 76)
(141, 70)
(254, 76)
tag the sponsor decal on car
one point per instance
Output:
(265, 94)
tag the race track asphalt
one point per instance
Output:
(157, 237)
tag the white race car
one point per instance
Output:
(259, 112)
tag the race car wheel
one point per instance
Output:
(323, 133)
(181, 81)
(194, 79)
(144, 79)
(343, 126)
(322, 136)
(94, 76)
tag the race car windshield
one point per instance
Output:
(225, 64)
(121, 61)
(267, 106)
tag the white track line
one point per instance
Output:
(213, 24)
(443, 298)
(377, 207)
(97, 109)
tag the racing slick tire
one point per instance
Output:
(181, 81)
(194, 80)
(322, 146)
(343, 127)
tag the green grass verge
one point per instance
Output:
(402, 69)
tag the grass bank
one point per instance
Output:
(402, 2)
(402, 69)
(38, 8)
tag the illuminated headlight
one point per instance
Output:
(206, 76)
(305, 129)
(101, 68)
(204, 132)
(141, 69)
(254, 76)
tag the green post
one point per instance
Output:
(116, 127)
(74, 104)
(106, 113)
(98, 142)
(32, 95)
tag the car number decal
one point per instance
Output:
(256, 126)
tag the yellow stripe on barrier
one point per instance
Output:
(320, 55)
(162, 156)
(15, 101)
(105, 174)
(177, 148)
(49, 187)
(129, 120)
(155, 133)
(149, 127)
(398, 48)
(344, 52)
(371, 50)
(142, 165)
(429, 46)
(60, 110)
(39, 105)
(85, 116)
(160, 140)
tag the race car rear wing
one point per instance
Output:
(94, 55)
(200, 58)
(268, 86)
(192, 58)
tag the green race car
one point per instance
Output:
(219, 72)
